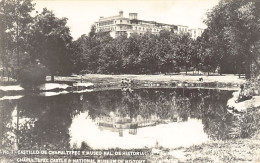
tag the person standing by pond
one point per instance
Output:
(243, 94)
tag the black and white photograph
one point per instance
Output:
(129, 81)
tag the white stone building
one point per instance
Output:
(120, 25)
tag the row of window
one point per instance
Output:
(126, 28)
(147, 29)
(113, 28)
(137, 28)
(183, 29)
(109, 22)
(106, 29)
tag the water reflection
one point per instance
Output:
(84, 129)
(115, 118)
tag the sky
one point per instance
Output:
(82, 14)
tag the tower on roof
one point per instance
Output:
(121, 13)
(132, 16)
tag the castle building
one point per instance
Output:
(194, 33)
(120, 25)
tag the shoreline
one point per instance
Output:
(225, 82)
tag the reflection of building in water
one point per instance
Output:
(117, 123)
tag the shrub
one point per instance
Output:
(246, 125)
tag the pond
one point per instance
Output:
(147, 117)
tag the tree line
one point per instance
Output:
(42, 44)
(138, 54)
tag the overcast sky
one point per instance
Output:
(82, 14)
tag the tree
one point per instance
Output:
(131, 54)
(77, 55)
(196, 58)
(53, 43)
(166, 50)
(208, 54)
(185, 51)
(148, 56)
(92, 31)
(233, 32)
(89, 51)
(15, 23)
(110, 59)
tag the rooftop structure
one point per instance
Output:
(119, 25)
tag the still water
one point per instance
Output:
(168, 117)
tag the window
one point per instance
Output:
(105, 23)
(120, 21)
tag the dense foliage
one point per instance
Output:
(26, 40)
(232, 38)
(148, 53)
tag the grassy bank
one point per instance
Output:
(242, 147)
(232, 151)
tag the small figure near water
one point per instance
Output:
(127, 82)
(127, 85)
(200, 79)
(81, 78)
(243, 96)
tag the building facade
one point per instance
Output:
(120, 25)
(195, 33)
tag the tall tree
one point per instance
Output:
(185, 51)
(166, 51)
(234, 30)
(148, 56)
(15, 23)
(53, 43)
(131, 60)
